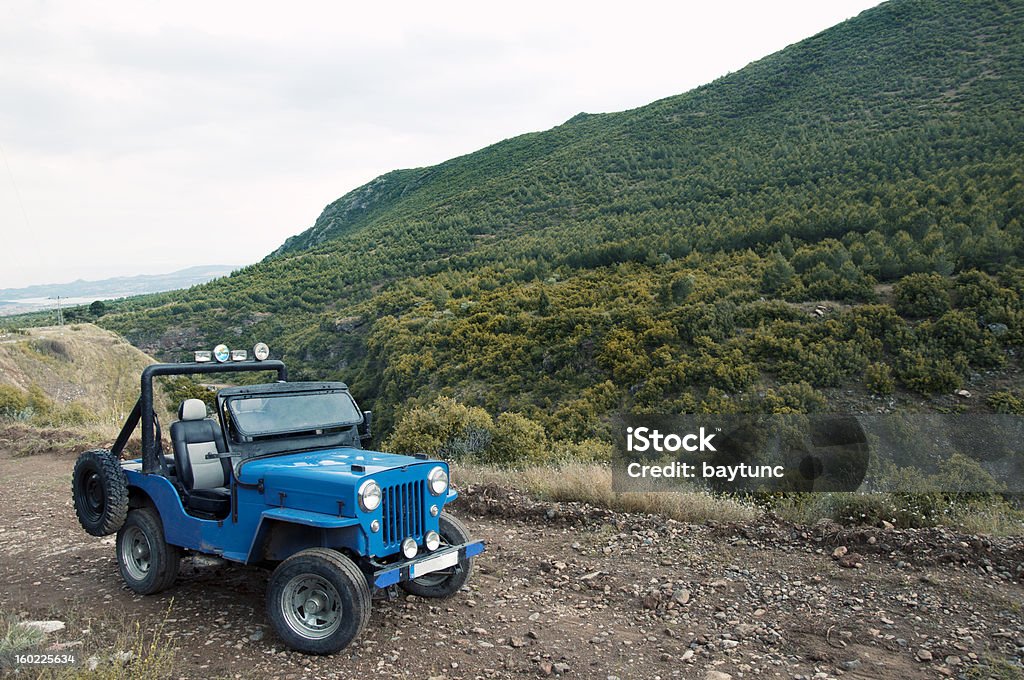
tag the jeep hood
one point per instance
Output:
(330, 466)
(324, 481)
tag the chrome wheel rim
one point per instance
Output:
(136, 553)
(311, 606)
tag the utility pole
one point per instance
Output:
(60, 313)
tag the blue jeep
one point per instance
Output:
(277, 477)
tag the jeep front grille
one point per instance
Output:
(402, 508)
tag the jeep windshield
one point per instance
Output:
(277, 418)
(255, 417)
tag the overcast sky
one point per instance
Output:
(141, 137)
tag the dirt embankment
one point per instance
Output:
(78, 363)
(563, 590)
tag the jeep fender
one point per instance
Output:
(282, 532)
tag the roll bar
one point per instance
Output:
(143, 410)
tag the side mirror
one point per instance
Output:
(364, 427)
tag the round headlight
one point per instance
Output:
(221, 353)
(260, 351)
(409, 547)
(432, 540)
(438, 480)
(369, 496)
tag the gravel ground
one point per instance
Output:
(563, 590)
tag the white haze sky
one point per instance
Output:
(142, 137)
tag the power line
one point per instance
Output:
(17, 192)
(21, 205)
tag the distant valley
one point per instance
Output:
(81, 292)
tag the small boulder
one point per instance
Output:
(851, 561)
(681, 596)
(46, 627)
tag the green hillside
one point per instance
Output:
(670, 258)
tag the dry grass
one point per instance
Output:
(135, 655)
(996, 520)
(16, 638)
(90, 377)
(80, 364)
(115, 649)
(592, 483)
(22, 439)
(990, 515)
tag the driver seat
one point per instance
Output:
(197, 442)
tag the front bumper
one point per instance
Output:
(426, 564)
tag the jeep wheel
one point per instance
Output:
(446, 582)
(318, 601)
(100, 491)
(148, 564)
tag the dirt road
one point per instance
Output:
(563, 590)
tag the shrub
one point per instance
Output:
(716, 401)
(452, 430)
(730, 372)
(778, 274)
(715, 321)
(588, 450)
(516, 439)
(751, 314)
(12, 401)
(919, 295)
(38, 401)
(904, 510)
(880, 322)
(962, 474)
(927, 375)
(867, 510)
(180, 388)
(980, 292)
(680, 287)
(74, 414)
(1005, 402)
(16, 638)
(956, 332)
(878, 378)
(915, 510)
(444, 428)
(795, 398)
(846, 283)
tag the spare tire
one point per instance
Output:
(100, 490)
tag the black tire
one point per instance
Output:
(148, 564)
(447, 582)
(100, 491)
(339, 594)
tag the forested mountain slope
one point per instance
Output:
(670, 257)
